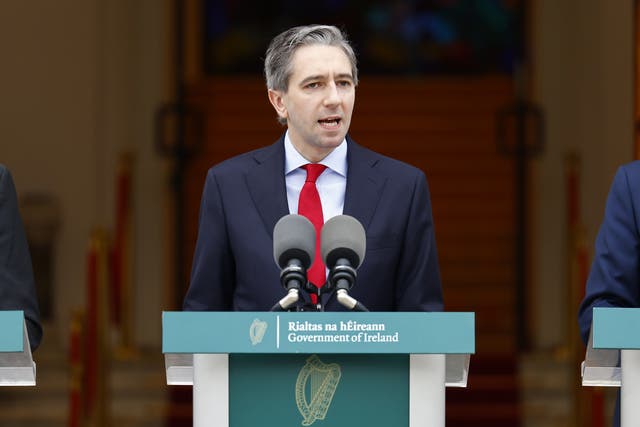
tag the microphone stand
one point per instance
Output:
(343, 297)
(292, 297)
(292, 278)
(342, 277)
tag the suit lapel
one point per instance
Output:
(364, 185)
(269, 193)
(267, 185)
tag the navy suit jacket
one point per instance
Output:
(614, 280)
(244, 197)
(17, 289)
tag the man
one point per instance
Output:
(311, 76)
(17, 289)
(614, 280)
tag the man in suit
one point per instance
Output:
(17, 289)
(311, 76)
(614, 280)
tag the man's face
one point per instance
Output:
(319, 101)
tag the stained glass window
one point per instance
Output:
(390, 37)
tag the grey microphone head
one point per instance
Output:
(294, 238)
(343, 237)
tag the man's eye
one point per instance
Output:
(344, 83)
(313, 85)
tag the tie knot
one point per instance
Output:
(313, 171)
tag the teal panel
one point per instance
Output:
(265, 332)
(11, 331)
(267, 390)
(616, 328)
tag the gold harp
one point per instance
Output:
(315, 387)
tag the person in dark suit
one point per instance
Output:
(17, 288)
(311, 76)
(614, 279)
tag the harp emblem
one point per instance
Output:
(256, 331)
(315, 387)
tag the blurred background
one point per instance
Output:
(519, 112)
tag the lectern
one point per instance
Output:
(613, 358)
(16, 364)
(337, 369)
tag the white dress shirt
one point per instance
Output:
(331, 184)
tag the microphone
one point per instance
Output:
(343, 245)
(294, 247)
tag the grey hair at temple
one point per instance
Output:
(277, 63)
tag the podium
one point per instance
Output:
(16, 364)
(315, 369)
(613, 357)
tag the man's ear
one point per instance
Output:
(277, 100)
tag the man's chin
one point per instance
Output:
(332, 141)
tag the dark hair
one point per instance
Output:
(277, 63)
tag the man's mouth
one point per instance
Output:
(330, 122)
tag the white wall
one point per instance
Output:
(79, 84)
(583, 73)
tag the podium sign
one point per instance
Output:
(312, 332)
(616, 328)
(16, 365)
(343, 369)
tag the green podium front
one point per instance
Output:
(16, 364)
(331, 369)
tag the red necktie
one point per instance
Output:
(310, 206)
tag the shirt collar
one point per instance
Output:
(336, 160)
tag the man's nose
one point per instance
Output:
(333, 95)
